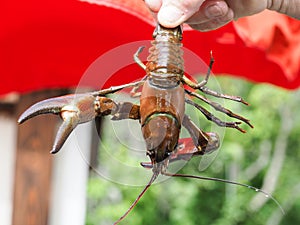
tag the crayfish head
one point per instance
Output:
(160, 167)
(161, 135)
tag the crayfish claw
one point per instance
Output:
(73, 109)
(51, 105)
(63, 133)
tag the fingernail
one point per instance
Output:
(170, 16)
(214, 11)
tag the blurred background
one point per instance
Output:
(50, 48)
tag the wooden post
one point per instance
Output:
(33, 163)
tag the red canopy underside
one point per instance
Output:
(51, 44)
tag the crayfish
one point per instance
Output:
(161, 111)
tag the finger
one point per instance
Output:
(175, 12)
(154, 5)
(214, 24)
(209, 10)
(247, 7)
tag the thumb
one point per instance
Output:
(174, 12)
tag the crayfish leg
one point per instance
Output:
(204, 142)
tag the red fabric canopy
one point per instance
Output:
(51, 44)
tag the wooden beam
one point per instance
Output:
(33, 163)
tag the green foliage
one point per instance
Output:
(265, 157)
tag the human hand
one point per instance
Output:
(205, 15)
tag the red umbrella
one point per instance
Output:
(51, 44)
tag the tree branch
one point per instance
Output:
(272, 175)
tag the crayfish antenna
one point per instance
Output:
(154, 176)
(228, 182)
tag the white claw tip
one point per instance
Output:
(69, 111)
